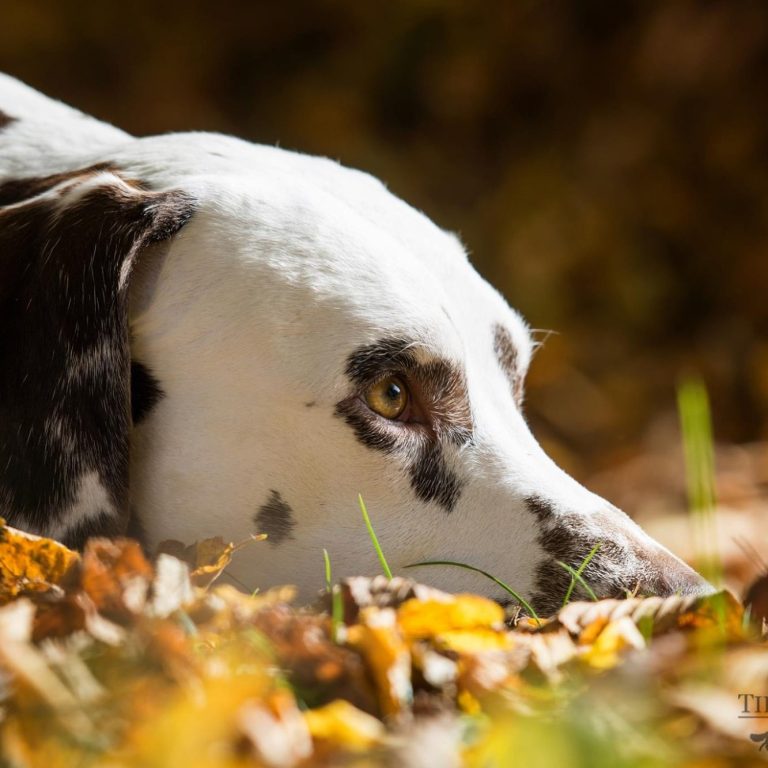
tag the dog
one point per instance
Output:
(254, 336)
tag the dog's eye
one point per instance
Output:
(388, 397)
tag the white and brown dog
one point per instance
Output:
(254, 336)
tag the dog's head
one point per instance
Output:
(298, 335)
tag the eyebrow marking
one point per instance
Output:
(443, 393)
(506, 354)
(372, 360)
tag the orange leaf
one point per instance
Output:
(30, 563)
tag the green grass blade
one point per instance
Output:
(337, 606)
(374, 539)
(528, 607)
(698, 449)
(327, 560)
(577, 575)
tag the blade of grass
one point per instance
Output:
(577, 575)
(327, 560)
(698, 449)
(374, 539)
(337, 607)
(528, 607)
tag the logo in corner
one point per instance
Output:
(755, 707)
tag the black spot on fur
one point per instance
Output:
(145, 391)
(441, 391)
(64, 349)
(5, 120)
(433, 481)
(275, 518)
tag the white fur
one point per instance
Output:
(91, 496)
(289, 264)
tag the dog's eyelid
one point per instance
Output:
(399, 371)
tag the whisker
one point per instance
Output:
(751, 552)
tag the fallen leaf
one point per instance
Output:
(426, 618)
(378, 640)
(30, 563)
(468, 641)
(116, 576)
(171, 587)
(277, 732)
(614, 638)
(344, 725)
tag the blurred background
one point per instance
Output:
(605, 162)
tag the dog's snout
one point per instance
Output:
(619, 558)
(670, 576)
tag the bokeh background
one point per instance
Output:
(605, 162)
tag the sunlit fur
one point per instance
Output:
(247, 319)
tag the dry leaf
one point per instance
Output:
(469, 641)
(277, 732)
(613, 638)
(31, 564)
(378, 640)
(342, 724)
(425, 618)
(116, 576)
(206, 558)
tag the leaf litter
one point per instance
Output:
(110, 659)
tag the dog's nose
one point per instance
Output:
(664, 574)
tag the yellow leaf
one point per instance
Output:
(345, 725)
(468, 703)
(234, 715)
(377, 639)
(465, 641)
(427, 618)
(616, 636)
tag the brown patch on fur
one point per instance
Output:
(620, 566)
(506, 353)
(440, 392)
(563, 539)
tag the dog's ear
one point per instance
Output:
(68, 245)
